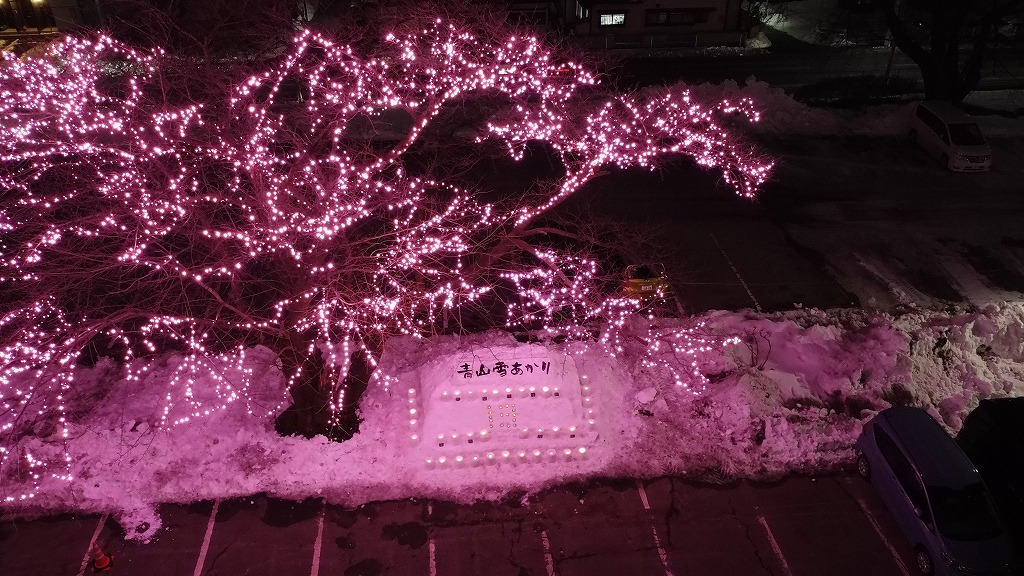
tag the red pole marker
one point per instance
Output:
(101, 562)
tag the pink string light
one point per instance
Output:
(92, 155)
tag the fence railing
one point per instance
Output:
(700, 40)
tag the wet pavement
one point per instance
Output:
(798, 526)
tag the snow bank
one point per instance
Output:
(791, 396)
(783, 116)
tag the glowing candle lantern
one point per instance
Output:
(458, 394)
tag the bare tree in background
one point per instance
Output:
(949, 40)
(761, 12)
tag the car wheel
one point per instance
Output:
(924, 561)
(863, 467)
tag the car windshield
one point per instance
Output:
(964, 514)
(646, 272)
(966, 134)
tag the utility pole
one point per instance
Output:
(898, 9)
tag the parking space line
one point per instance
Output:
(88, 551)
(206, 539)
(318, 543)
(775, 546)
(757, 304)
(432, 549)
(654, 531)
(643, 494)
(661, 552)
(549, 562)
(878, 530)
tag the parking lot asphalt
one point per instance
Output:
(794, 527)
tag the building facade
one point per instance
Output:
(655, 23)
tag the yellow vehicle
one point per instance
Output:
(645, 281)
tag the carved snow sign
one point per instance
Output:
(502, 405)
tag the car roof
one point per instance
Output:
(936, 456)
(947, 111)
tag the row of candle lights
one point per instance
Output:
(555, 431)
(508, 457)
(483, 436)
(495, 394)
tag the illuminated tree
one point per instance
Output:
(137, 222)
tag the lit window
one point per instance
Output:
(613, 19)
(582, 12)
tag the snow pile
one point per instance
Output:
(783, 116)
(792, 396)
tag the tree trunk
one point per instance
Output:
(938, 84)
(310, 413)
(316, 386)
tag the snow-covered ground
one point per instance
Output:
(825, 22)
(791, 395)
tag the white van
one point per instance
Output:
(944, 131)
